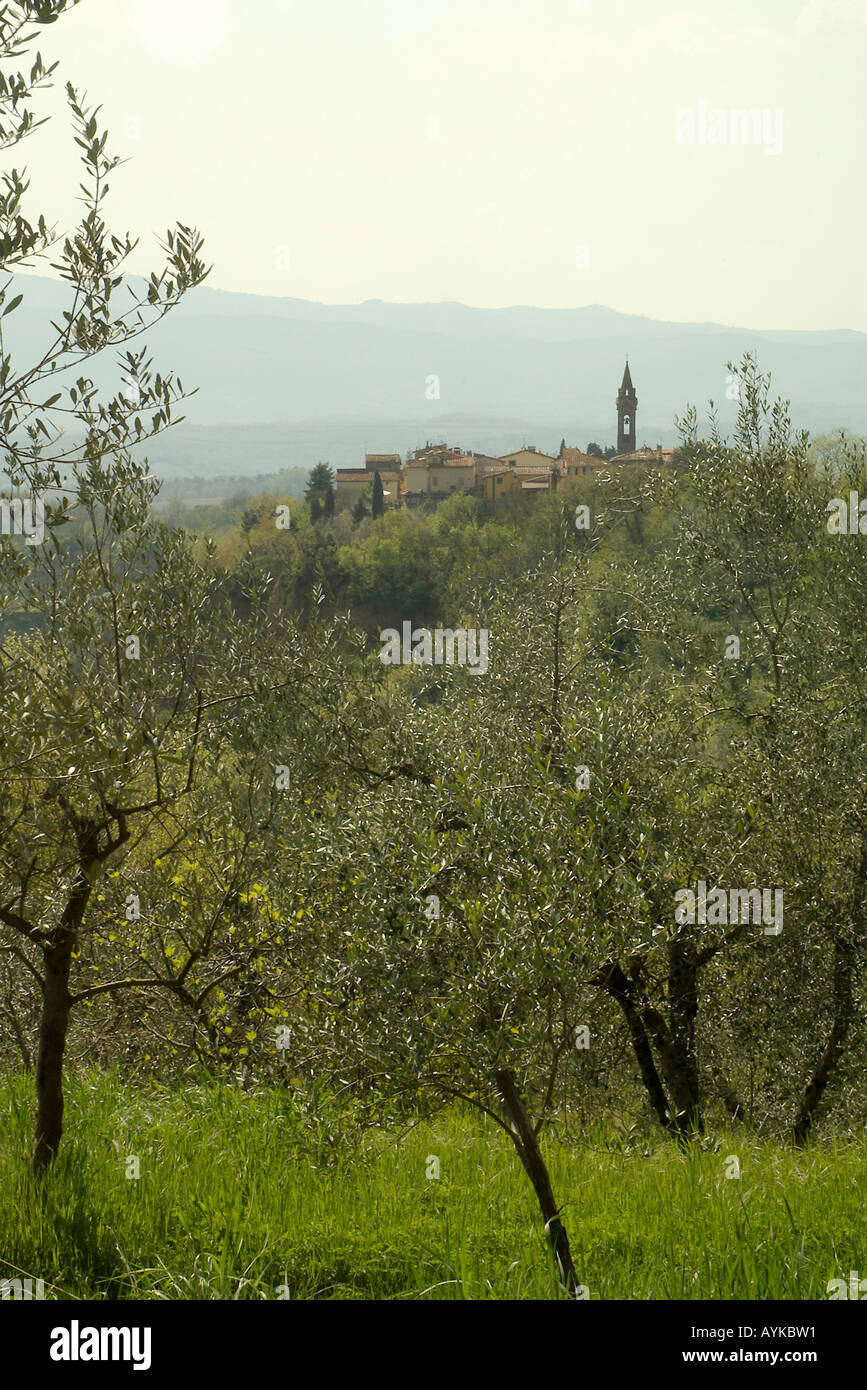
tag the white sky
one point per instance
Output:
(417, 150)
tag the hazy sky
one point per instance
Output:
(498, 152)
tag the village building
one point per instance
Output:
(484, 463)
(352, 483)
(534, 478)
(437, 470)
(383, 463)
(527, 457)
(574, 463)
(437, 476)
(393, 487)
(432, 452)
(627, 411)
(645, 454)
(497, 484)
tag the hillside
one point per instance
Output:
(284, 382)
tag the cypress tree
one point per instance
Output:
(377, 505)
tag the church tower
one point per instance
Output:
(627, 405)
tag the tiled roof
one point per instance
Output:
(435, 451)
(641, 455)
(366, 473)
(525, 449)
(576, 456)
(464, 461)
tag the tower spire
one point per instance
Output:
(627, 406)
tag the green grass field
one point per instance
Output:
(237, 1199)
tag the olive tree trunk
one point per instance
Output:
(53, 1030)
(844, 1012)
(527, 1145)
(57, 999)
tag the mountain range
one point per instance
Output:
(284, 382)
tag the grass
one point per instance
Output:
(238, 1199)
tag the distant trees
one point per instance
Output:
(397, 570)
(250, 519)
(320, 481)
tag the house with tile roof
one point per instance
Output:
(352, 482)
(528, 456)
(436, 475)
(574, 463)
(383, 463)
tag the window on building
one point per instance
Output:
(626, 424)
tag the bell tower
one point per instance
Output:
(627, 406)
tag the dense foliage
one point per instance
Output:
(235, 842)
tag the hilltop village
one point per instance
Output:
(435, 471)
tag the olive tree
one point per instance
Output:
(462, 900)
(758, 597)
(125, 673)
